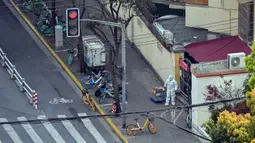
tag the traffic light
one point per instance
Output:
(72, 22)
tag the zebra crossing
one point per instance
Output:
(77, 130)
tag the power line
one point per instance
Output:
(208, 25)
(127, 113)
(57, 8)
(186, 130)
(49, 2)
(146, 36)
(86, 5)
(175, 29)
(178, 33)
(20, 112)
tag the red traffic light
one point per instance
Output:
(73, 14)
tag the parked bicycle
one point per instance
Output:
(32, 5)
(107, 88)
(88, 100)
(61, 100)
(43, 23)
(94, 79)
(132, 129)
(73, 54)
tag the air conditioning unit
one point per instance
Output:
(236, 60)
(168, 37)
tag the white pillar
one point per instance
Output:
(58, 36)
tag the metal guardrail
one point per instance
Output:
(20, 81)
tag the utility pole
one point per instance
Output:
(53, 10)
(124, 80)
(123, 50)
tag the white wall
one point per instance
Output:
(219, 16)
(159, 57)
(224, 4)
(201, 115)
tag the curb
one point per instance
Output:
(68, 71)
(181, 99)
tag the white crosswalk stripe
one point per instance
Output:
(29, 129)
(8, 128)
(53, 132)
(88, 124)
(71, 129)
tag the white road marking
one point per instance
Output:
(88, 124)
(70, 128)
(29, 129)
(50, 128)
(8, 128)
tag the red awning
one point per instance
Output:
(217, 49)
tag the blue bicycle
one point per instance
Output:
(103, 90)
(94, 79)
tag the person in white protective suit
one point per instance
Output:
(171, 87)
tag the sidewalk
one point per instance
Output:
(141, 79)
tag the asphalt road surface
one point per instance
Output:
(46, 77)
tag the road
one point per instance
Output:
(45, 76)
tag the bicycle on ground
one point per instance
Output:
(93, 78)
(88, 100)
(132, 129)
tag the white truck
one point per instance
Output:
(94, 52)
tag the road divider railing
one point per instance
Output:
(68, 71)
(19, 80)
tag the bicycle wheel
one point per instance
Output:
(129, 130)
(93, 107)
(85, 100)
(152, 127)
(101, 99)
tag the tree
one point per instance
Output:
(231, 127)
(226, 90)
(114, 45)
(250, 90)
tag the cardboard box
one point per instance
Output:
(158, 92)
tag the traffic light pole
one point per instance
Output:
(123, 50)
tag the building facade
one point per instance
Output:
(219, 16)
(246, 20)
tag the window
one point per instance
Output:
(245, 21)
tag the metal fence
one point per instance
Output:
(19, 80)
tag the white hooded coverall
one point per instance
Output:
(171, 87)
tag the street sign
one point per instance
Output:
(72, 22)
(183, 65)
